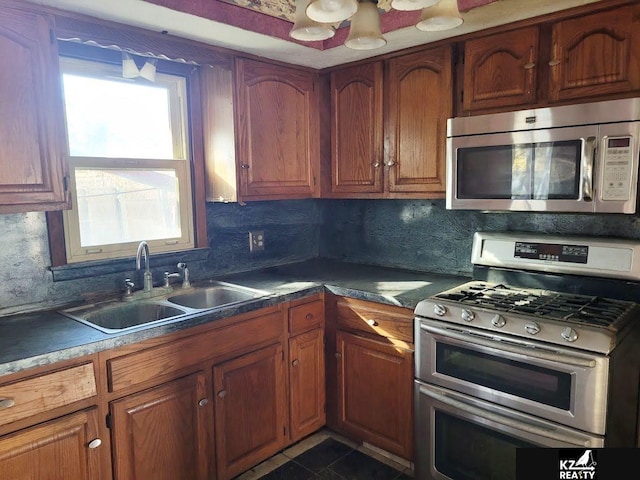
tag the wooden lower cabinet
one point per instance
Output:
(306, 383)
(163, 433)
(250, 410)
(374, 390)
(61, 449)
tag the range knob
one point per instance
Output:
(532, 328)
(569, 334)
(439, 310)
(498, 321)
(467, 315)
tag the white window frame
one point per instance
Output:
(177, 87)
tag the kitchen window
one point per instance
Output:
(130, 173)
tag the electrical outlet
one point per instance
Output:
(256, 241)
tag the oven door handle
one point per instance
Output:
(505, 347)
(529, 427)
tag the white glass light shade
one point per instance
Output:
(306, 29)
(129, 67)
(331, 11)
(412, 4)
(148, 70)
(443, 16)
(364, 33)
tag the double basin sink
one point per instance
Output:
(116, 316)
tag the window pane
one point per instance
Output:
(126, 205)
(117, 119)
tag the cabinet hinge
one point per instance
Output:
(314, 180)
(65, 183)
(108, 421)
(284, 430)
(282, 355)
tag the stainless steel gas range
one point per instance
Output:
(540, 349)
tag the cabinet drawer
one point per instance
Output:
(172, 357)
(35, 395)
(376, 319)
(306, 316)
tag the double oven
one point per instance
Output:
(503, 362)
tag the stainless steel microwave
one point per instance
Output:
(576, 158)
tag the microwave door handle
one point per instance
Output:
(530, 427)
(588, 154)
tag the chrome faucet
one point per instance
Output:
(186, 283)
(143, 250)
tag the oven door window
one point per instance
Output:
(542, 385)
(468, 451)
(527, 171)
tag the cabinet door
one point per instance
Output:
(419, 98)
(250, 410)
(375, 392)
(32, 153)
(306, 378)
(596, 55)
(500, 70)
(357, 129)
(163, 433)
(278, 135)
(61, 449)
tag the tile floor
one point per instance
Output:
(328, 456)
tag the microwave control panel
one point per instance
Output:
(617, 164)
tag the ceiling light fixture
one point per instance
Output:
(317, 19)
(444, 15)
(306, 29)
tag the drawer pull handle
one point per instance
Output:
(295, 362)
(553, 63)
(7, 402)
(95, 443)
(529, 66)
(372, 322)
(203, 402)
(309, 316)
(222, 393)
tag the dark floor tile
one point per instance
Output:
(322, 455)
(403, 476)
(289, 471)
(328, 474)
(358, 466)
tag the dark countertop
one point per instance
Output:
(41, 338)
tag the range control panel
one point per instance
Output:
(552, 252)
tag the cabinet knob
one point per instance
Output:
(222, 393)
(390, 163)
(376, 165)
(295, 362)
(371, 322)
(7, 402)
(309, 316)
(203, 402)
(553, 63)
(244, 166)
(529, 66)
(95, 443)
(338, 355)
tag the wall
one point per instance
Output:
(291, 229)
(422, 235)
(414, 234)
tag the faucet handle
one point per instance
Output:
(167, 276)
(128, 287)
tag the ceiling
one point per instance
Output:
(261, 27)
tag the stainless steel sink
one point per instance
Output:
(215, 295)
(115, 317)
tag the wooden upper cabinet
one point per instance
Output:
(500, 70)
(278, 133)
(596, 55)
(33, 161)
(419, 99)
(357, 129)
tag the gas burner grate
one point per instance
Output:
(539, 303)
